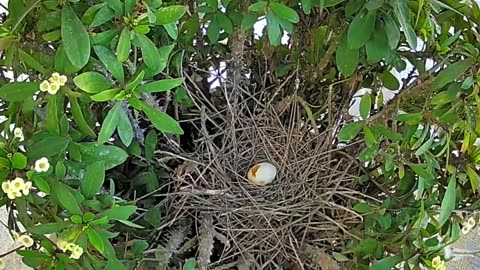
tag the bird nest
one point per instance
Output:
(297, 221)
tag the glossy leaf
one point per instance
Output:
(109, 124)
(75, 38)
(92, 82)
(119, 212)
(448, 202)
(451, 73)
(389, 80)
(124, 128)
(95, 240)
(112, 156)
(19, 161)
(150, 54)
(284, 12)
(48, 228)
(346, 58)
(110, 61)
(124, 45)
(365, 105)
(18, 91)
(361, 29)
(66, 198)
(161, 120)
(213, 30)
(273, 29)
(79, 118)
(170, 14)
(377, 46)
(93, 179)
(106, 95)
(47, 147)
(161, 85)
(402, 13)
(102, 16)
(350, 131)
(392, 31)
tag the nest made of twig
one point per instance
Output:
(308, 204)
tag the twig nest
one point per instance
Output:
(262, 174)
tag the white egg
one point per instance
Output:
(262, 174)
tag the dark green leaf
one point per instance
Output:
(119, 212)
(350, 131)
(386, 263)
(172, 30)
(124, 128)
(361, 29)
(259, 6)
(30, 61)
(47, 147)
(48, 228)
(150, 144)
(346, 58)
(104, 38)
(18, 91)
(170, 14)
(74, 37)
(377, 46)
(41, 184)
(52, 114)
(92, 82)
(115, 264)
(402, 12)
(124, 45)
(451, 73)
(66, 198)
(306, 6)
(106, 95)
(93, 179)
(363, 208)
(154, 217)
(389, 80)
(109, 124)
(79, 119)
(410, 118)
(448, 202)
(420, 170)
(161, 120)
(63, 64)
(393, 32)
(213, 30)
(284, 12)
(60, 169)
(150, 54)
(331, 3)
(112, 156)
(225, 23)
(103, 15)
(273, 29)
(117, 6)
(365, 105)
(95, 240)
(110, 61)
(248, 21)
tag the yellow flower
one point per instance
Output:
(14, 194)
(53, 88)
(62, 80)
(6, 186)
(76, 253)
(2, 264)
(441, 267)
(18, 133)
(26, 188)
(62, 245)
(465, 228)
(17, 184)
(437, 261)
(42, 165)
(70, 246)
(55, 78)
(471, 222)
(44, 86)
(25, 240)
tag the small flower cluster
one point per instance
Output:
(468, 225)
(76, 250)
(53, 84)
(24, 240)
(16, 187)
(438, 264)
(42, 165)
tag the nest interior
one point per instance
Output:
(306, 209)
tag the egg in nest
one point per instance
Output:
(262, 174)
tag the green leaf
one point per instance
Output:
(386, 263)
(131, 224)
(92, 82)
(361, 29)
(30, 61)
(248, 21)
(66, 198)
(115, 264)
(273, 29)
(389, 80)
(161, 120)
(306, 6)
(89, 14)
(377, 46)
(363, 208)
(366, 247)
(154, 217)
(130, 6)
(425, 147)
(79, 119)
(346, 58)
(52, 114)
(119, 212)
(106, 95)
(350, 131)
(162, 61)
(60, 169)
(420, 170)
(394, 136)
(18, 91)
(112, 156)
(370, 139)
(150, 144)
(284, 12)
(393, 32)
(124, 45)
(365, 105)
(402, 13)
(95, 240)
(448, 202)
(62, 64)
(161, 85)
(172, 30)
(190, 264)
(41, 184)
(331, 3)
(117, 6)
(74, 37)
(259, 6)
(150, 54)
(109, 124)
(124, 128)
(19, 161)
(225, 22)
(170, 14)
(410, 118)
(102, 16)
(104, 38)
(452, 72)
(93, 179)
(48, 228)
(47, 147)
(474, 178)
(76, 219)
(110, 61)
(213, 30)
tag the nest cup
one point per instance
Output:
(304, 210)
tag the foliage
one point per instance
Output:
(83, 121)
